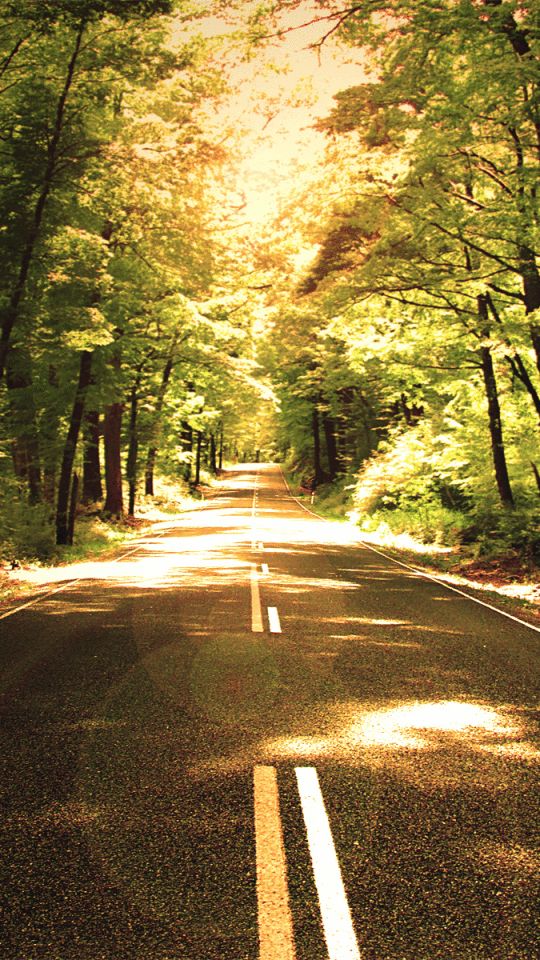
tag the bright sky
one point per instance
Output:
(281, 91)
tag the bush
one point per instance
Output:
(500, 530)
(27, 531)
(426, 520)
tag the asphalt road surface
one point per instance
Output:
(254, 737)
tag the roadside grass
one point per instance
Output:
(433, 538)
(27, 542)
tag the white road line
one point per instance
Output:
(260, 546)
(276, 937)
(265, 569)
(273, 620)
(419, 573)
(336, 916)
(66, 584)
(256, 611)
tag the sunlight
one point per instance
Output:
(400, 728)
(508, 857)
(393, 728)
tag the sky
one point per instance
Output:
(280, 93)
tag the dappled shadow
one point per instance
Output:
(138, 701)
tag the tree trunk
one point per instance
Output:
(317, 467)
(213, 454)
(520, 371)
(531, 293)
(73, 508)
(112, 433)
(92, 487)
(70, 446)
(187, 447)
(156, 429)
(198, 459)
(133, 449)
(11, 312)
(536, 473)
(494, 413)
(149, 471)
(331, 445)
(220, 458)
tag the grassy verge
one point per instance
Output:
(28, 550)
(512, 574)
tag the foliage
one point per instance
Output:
(423, 295)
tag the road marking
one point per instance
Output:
(419, 573)
(260, 546)
(276, 937)
(336, 916)
(265, 569)
(256, 611)
(71, 583)
(273, 620)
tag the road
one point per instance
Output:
(255, 737)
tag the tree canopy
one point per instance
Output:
(384, 327)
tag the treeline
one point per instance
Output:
(111, 350)
(413, 348)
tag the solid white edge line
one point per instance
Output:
(276, 935)
(419, 573)
(70, 583)
(335, 913)
(67, 583)
(256, 610)
(273, 620)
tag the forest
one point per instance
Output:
(378, 332)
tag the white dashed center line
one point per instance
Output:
(336, 916)
(276, 938)
(273, 620)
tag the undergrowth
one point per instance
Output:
(27, 533)
(413, 522)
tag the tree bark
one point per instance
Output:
(536, 473)
(213, 454)
(112, 433)
(70, 446)
(92, 487)
(133, 448)
(198, 459)
(317, 466)
(332, 455)
(220, 456)
(531, 293)
(494, 414)
(520, 371)
(11, 313)
(156, 429)
(187, 447)
(73, 508)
